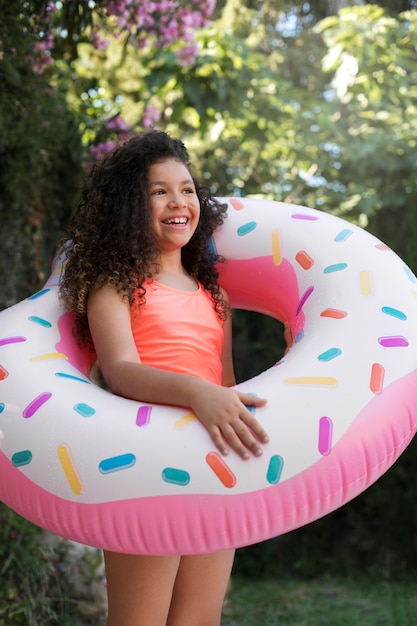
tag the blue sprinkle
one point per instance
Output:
(299, 336)
(117, 463)
(410, 274)
(330, 354)
(337, 267)
(274, 472)
(71, 377)
(394, 312)
(2, 407)
(40, 321)
(175, 476)
(39, 294)
(246, 228)
(84, 409)
(344, 234)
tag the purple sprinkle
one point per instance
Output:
(393, 342)
(304, 216)
(306, 295)
(7, 340)
(143, 415)
(36, 404)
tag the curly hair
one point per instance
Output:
(111, 235)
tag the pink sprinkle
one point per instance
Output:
(143, 415)
(237, 204)
(36, 404)
(325, 435)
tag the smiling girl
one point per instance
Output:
(142, 282)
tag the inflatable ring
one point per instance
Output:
(342, 403)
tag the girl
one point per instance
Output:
(142, 282)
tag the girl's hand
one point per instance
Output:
(224, 413)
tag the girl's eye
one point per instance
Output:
(157, 192)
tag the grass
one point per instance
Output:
(320, 602)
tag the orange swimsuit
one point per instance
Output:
(179, 331)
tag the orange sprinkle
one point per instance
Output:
(377, 378)
(304, 259)
(237, 204)
(3, 373)
(222, 471)
(336, 314)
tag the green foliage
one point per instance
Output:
(39, 164)
(32, 592)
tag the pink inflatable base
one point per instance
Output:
(335, 479)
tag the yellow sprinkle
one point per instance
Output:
(48, 355)
(186, 419)
(70, 472)
(276, 246)
(59, 268)
(327, 381)
(366, 283)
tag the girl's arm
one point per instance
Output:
(220, 409)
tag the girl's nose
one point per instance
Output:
(177, 200)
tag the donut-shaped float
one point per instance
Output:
(147, 479)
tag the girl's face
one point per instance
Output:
(174, 204)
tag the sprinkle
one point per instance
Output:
(336, 314)
(71, 377)
(410, 274)
(393, 342)
(382, 246)
(325, 435)
(366, 283)
(40, 321)
(36, 404)
(276, 463)
(304, 216)
(39, 294)
(143, 415)
(23, 457)
(3, 373)
(6, 340)
(330, 354)
(84, 409)
(186, 419)
(237, 204)
(303, 299)
(376, 382)
(304, 259)
(222, 471)
(246, 228)
(70, 471)
(344, 234)
(336, 267)
(47, 356)
(327, 381)
(2, 407)
(394, 313)
(276, 246)
(117, 463)
(175, 476)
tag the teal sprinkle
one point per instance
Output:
(84, 409)
(337, 267)
(175, 476)
(330, 354)
(40, 321)
(23, 457)
(246, 228)
(394, 312)
(274, 472)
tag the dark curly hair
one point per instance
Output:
(111, 233)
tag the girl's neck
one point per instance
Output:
(173, 274)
